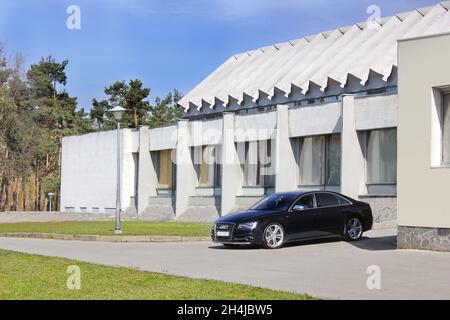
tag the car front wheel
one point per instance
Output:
(353, 229)
(273, 236)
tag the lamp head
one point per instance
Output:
(117, 112)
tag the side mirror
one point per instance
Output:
(299, 207)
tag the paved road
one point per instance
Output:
(326, 269)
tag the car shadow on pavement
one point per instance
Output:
(238, 247)
(382, 243)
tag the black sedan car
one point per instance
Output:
(292, 216)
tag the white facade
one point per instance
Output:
(320, 112)
(88, 172)
(88, 176)
(424, 171)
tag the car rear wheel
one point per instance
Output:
(353, 229)
(273, 236)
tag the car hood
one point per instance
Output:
(245, 216)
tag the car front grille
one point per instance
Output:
(223, 227)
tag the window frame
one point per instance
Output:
(444, 94)
(156, 160)
(301, 197)
(327, 193)
(262, 180)
(370, 186)
(348, 202)
(216, 168)
(325, 165)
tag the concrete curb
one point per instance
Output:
(56, 236)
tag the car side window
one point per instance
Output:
(327, 199)
(343, 201)
(307, 201)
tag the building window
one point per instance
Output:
(319, 161)
(207, 166)
(446, 129)
(256, 163)
(165, 169)
(381, 159)
(333, 160)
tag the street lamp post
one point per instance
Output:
(118, 114)
(50, 196)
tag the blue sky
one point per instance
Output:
(166, 43)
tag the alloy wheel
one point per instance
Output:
(274, 236)
(354, 228)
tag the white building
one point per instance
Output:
(319, 112)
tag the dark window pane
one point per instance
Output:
(382, 156)
(333, 174)
(307, 201)
(274, 202)
(327, 199)
(311, 160)
(446, 130)
(343, 201)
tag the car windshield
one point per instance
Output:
(274, 202)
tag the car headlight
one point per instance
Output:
(248, 225)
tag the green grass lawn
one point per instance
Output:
(25, 276)
(185, 229)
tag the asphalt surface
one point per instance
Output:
(329, 269)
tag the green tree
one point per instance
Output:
(46, 75)
(165, 111)
(132, 96)
(56, 112)
(35, 113)
(99, 114)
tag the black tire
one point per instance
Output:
(352, 229)
(280, 236)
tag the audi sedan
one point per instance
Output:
(280, 218)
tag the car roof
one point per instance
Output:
(299, 193)
(291, 193)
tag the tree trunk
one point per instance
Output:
(36, 186)
(5, 187)
(15, 197)
(3, 193)
(23, 204)
(47, 162)
(39, 199)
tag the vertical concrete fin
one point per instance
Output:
(353, 163)
(147, 177)
(231, 182)
(186, 176)
(285, 169)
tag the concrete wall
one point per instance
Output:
(163, 138)
(313, 120)
(259, 126)
(207, 132)
(384, 208)
(88, 173)
(376, 112)
(423, 187)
